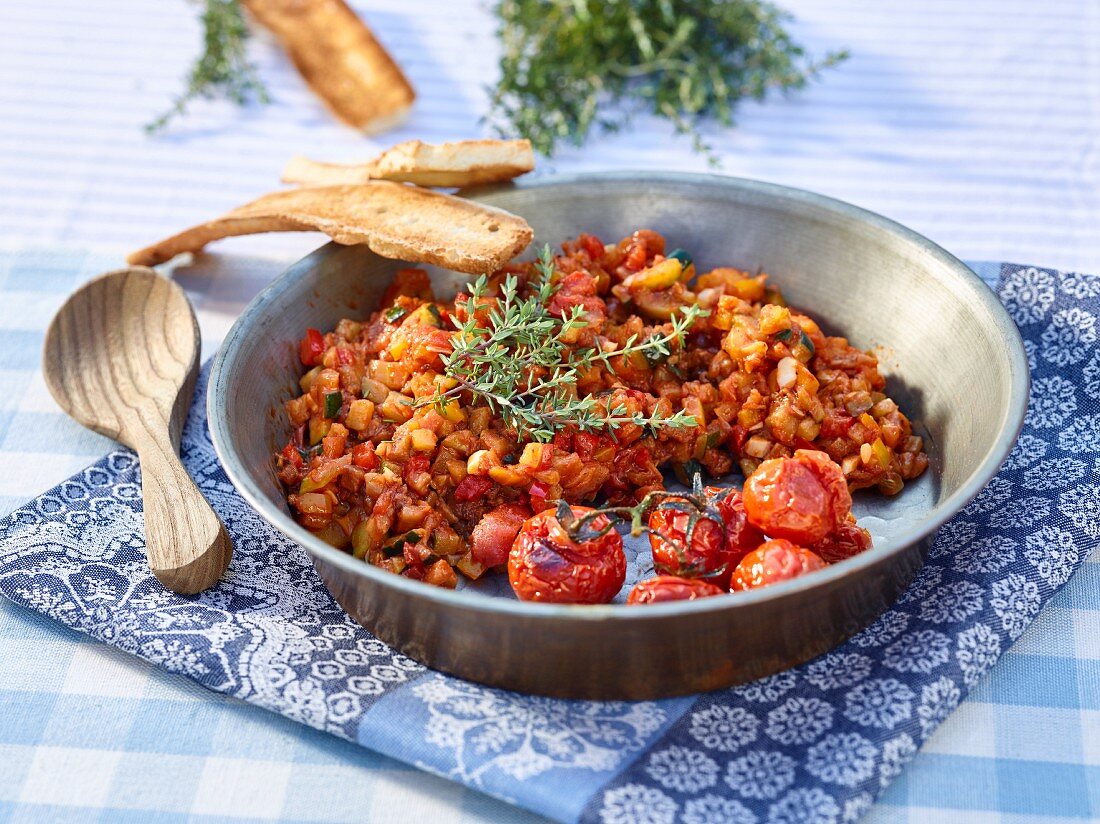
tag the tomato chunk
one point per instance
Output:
(472, 487)
(847, 542)
(312, 347)
(670, 588)
(774, 561)
(492, 538)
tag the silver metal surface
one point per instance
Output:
(952, 357)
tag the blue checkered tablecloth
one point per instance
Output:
(88, 729)
(974, 123)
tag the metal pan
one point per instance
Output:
(952, 357)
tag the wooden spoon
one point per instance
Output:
(121, 357)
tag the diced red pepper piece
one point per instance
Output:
(836, 424)
(593, 245)
(293, 456)
(564, 441)
(312, 347)
(739, 435)
(363, 456)
(472, 487)
(416, 465)
(333, 445)
(586, 444)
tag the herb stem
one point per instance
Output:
(522, 365)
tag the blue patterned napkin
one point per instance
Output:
(813, 744)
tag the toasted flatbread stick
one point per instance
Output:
(463, 163)
(396, 221)
(340, 59)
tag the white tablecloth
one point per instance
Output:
(975, 123)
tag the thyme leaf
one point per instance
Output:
(223, 69)
(522, 365)
(685, 61)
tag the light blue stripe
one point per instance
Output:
(51, 432)
(21, 349)
(1041, 681)
(1042, 787)
(955, 782)
(45, 271)
(27, 714)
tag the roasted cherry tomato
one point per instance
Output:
(771, 562)
(802, 498)
(851, 539)
(548, 564)
(688, 539)
(741, 536)
(671, 588)
(492, 538)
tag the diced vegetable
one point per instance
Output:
(657, 304)
(393, 375)
(537, 455)
(359, 414)
(397, 408)
(374, 390)
(306, 382)
(423, 440)
(333, 401)
(312, 347)
(314, 503)
(395, 313)
(441, 575)
(469, 567)
(658, 276)
(361, 540)
(327, 380)
(318, 428)
(363, 456)
(452, 412)
(447, 542)
(882, 454)
(786, 373)
(472, 487)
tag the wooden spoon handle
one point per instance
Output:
(187, 545)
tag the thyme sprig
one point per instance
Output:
(563, 61)
(523, 365)
(223, 69)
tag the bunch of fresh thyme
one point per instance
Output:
(682, 60)
(223, 67)
(522, 338)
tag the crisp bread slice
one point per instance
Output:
(340, 59)
(395, 220)
(462, 163)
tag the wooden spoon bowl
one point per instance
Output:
(121, 357)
